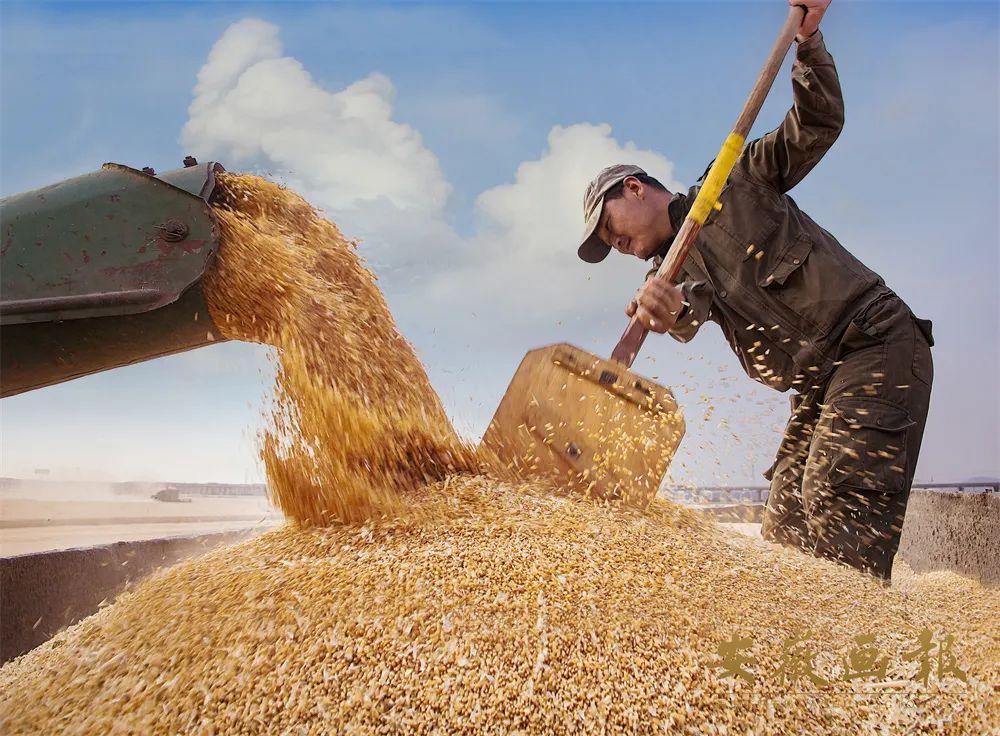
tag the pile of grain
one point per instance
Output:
(512, 611)
(355, 423)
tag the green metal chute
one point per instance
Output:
(104, 270)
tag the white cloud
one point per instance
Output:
(544, 203)
(530, 227)
(254, 106)
(244, 44)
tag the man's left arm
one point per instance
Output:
(783, 157)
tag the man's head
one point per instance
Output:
(625, 209)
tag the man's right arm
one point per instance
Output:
(783, 157)
(696, 306)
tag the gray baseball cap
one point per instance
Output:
(592, 249)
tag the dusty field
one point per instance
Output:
(33, 525)
(28, 540)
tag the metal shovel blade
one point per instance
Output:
(587, 424)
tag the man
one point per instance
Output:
(801, 313)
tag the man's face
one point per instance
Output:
(632, 223)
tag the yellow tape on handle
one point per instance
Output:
(716, 178)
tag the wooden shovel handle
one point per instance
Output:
(631, 340)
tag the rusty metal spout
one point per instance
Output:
(104, 270)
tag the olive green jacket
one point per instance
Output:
(782, 288)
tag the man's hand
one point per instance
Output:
(814, 14)
(657, 305)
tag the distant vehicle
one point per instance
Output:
(170, 495)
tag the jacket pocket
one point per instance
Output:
(790, 261)
(867, 448)
(803, 281)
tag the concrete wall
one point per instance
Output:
(730, 513)
(45, 592)
(943, 530)
(953, 531)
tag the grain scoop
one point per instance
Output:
(592, 424)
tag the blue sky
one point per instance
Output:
(505, 102)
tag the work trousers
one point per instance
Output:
(841, 480)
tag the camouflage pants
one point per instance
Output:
(842, 476)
